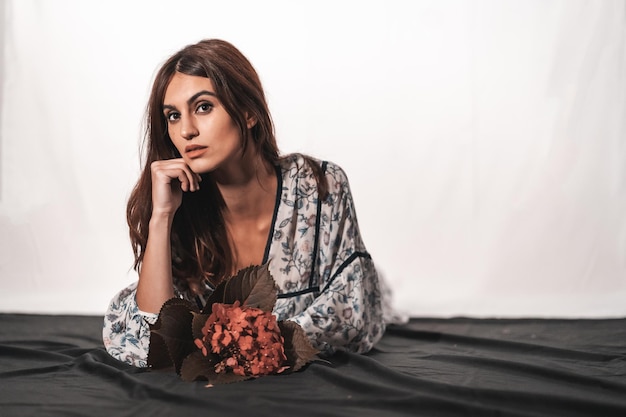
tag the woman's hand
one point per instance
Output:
(170, 178)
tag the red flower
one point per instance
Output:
(234, 342)
(247, 340)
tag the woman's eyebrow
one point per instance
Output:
(200, 93)
(192, 98)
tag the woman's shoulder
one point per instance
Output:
(298, 160)
(301, 163)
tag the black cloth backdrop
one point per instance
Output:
(56, 366)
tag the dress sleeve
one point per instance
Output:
(347, 312)
(126, 334)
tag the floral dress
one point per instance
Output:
(326, 279)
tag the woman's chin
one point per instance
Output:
(200, 167)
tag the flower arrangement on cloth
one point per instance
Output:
(233, 338)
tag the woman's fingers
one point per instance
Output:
(183, 178)
(170, 178)
(169, 169)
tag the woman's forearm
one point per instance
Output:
(155, 277)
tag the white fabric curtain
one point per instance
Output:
(485, 141)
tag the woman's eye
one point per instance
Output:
(172, 117)
(204, 107)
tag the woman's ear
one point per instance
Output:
(250, 121)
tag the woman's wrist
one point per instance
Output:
(160, 219)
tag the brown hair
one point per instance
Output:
(199, 242)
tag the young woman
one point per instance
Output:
(216, 196)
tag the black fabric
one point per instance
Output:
(56, 366)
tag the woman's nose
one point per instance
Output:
(188, 128)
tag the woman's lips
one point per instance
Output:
(194, 151)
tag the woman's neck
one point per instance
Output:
(248, 192)
(250, 199)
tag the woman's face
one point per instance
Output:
(199, 126)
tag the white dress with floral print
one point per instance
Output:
(327, 281)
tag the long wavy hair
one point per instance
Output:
(199, 241)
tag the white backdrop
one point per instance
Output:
(485, 141)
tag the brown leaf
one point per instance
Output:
(298, 348)
(172, 333)
(216, 297)
(252, 286)
(158, 355)
(196, 367)
(197, 324)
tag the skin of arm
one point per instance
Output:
(155, 278)
(170, 178)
